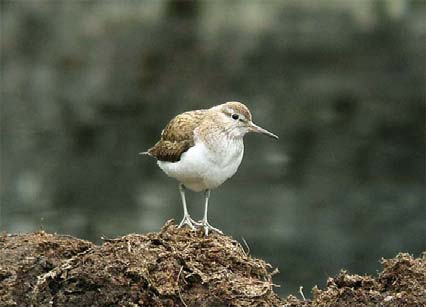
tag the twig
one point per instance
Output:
(301, 293)
(177, 282)
(275, 271)
(247, 246)
(110, 240)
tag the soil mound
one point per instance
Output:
(178, 267)
(401, 283)
(174, 267)
(23, 258)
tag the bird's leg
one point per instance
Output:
(204, 221)
(187, 220)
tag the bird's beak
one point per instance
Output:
(255, 128)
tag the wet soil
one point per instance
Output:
(178, 267)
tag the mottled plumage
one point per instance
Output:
(177, 137)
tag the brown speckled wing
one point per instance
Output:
(177, 137)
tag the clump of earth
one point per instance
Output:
(177, 267)
(402, 282)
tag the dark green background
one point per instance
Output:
(86, 85)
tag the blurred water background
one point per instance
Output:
(86, 85)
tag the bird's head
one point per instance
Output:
(237, 120)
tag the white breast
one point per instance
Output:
(202, 167)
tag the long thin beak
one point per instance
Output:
(257, 129)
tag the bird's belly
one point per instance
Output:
(199, 169)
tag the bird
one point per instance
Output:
(202, 149)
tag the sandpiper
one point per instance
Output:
(202, 149)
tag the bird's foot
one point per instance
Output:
(208, 227)
(187, 220)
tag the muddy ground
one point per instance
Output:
(177, 267)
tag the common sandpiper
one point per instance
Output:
(202, 149)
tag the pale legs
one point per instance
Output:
(204, 221)
(187, 220)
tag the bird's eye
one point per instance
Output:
(235, 116)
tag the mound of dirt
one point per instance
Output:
(401, 283)
(174, 267)
(23, 258)
(178, 267)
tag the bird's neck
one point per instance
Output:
(223, 148)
